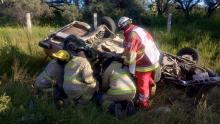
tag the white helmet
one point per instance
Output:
(124, 21)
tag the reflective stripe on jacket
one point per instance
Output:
(46, 75)
(117, 80)
(53, 73)
(147, 69)
(78, 75)
(140, 50)
(150, 48)
(72, 78)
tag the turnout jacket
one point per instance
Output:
(140, 52)
(117, 80)
(53, 73)
(78, 77)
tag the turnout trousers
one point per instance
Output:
(144, 83)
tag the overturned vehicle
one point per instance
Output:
(80, 34)
(102, 43)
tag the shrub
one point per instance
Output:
(64, 14)
(16, 9)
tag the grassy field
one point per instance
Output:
(21, 60)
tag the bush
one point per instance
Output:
(114, 9)
(64, 14)
(16, 9)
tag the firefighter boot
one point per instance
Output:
(130, 108)
(119, 112)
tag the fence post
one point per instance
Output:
(169, 22)
(28, 22)
(95, 20)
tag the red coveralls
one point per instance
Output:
(144, 69)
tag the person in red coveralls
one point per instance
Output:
(142, 56)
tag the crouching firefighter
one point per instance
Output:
(52, 76)
(118, 89)
(79, 83)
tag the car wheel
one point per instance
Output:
(71, 43)
(109, 22)
(189, 53)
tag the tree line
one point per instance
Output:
(71, 10)
(162, 5)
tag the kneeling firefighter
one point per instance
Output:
(79, 83)
(118, 87)
(52, 75)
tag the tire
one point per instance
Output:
(109, 22)
(189, 51)
(71, 43)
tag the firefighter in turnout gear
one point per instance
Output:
(142, 56)
(118, 87)
(79, 83)
(52, 75)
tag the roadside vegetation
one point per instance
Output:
(21, 59)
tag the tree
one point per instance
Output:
(162, 6)
(87, 2)
(186, 5)
(16, 9)
(212, 5)
(115, 8)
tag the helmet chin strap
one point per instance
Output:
(125, 27)
(61, 62)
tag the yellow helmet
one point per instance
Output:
(62, 55)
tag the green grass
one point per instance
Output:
(22, 58)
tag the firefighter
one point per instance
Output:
(118, 87)
(142, 56)
(79, 83)
(52, 75)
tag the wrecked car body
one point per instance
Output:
(78, 34)
(180, 69)
(184, 71)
